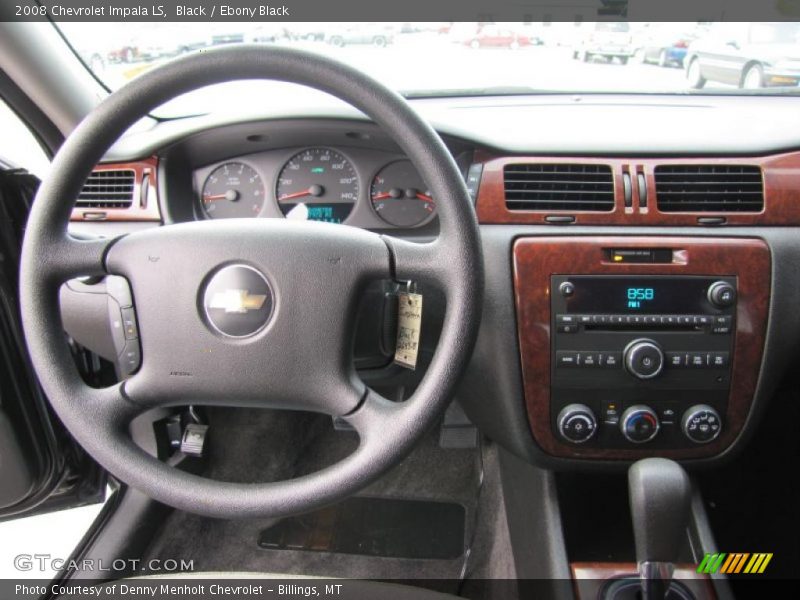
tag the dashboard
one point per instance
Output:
(639, 288)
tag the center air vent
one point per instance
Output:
(572, 187)
(709, 188)
(108, 189)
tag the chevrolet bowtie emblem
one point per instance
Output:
(237, 301)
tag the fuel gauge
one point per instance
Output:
(400, 197)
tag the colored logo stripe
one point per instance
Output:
(737, 562)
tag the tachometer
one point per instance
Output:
(400, 197)
(317, 184)
(233, 190)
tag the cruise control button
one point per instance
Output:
(129, 324)
(131, 357)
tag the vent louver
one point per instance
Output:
(571, 187)
(709, 188)
(108, 189)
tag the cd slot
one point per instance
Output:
(641, 326)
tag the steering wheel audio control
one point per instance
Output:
(577, 423)
(701, 424)
(722, 294)
(639, 424)
(644, 359)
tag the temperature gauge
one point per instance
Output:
(400, 197)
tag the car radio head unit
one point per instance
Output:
(641, 359)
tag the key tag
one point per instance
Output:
(409, 325)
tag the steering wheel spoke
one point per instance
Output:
(73, 257)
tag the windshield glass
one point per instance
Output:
(432, 59)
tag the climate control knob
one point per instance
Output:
(701, 424)
(644, 359)
(639, 424)
(576, 423)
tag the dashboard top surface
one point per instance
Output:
(551, 123)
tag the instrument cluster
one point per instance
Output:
(365, 188)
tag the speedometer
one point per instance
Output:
(317, 184)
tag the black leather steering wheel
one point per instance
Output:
(302, 358)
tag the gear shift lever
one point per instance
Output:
(660, 495)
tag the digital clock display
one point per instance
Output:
(639, 297)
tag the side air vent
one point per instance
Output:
(108, 189)
(709, 188)
(573, 187)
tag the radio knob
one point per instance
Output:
(576, 423)
(721, 294)
(701, 424)
(644, 359)
(639, 424)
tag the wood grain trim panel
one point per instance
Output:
(588, 578)
(781, 174)
(145, 206)
(535, 259)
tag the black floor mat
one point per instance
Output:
(259, 445)
(384, 527)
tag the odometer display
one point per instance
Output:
(317, 184)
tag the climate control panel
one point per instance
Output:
(641, 361)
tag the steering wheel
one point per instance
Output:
(295, 351)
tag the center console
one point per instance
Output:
(638, 346)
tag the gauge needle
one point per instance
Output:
(230, 195)
(416, 196)
(314, 190)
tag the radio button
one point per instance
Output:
(567, 328)
(610, 360)
(652, 320)
(585, 319)
(703, 320)
(685, 320)
(566, 359)
(698, 359)
(588, 359)
(676, 359)
(718, 359)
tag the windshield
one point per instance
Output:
(433, 59)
